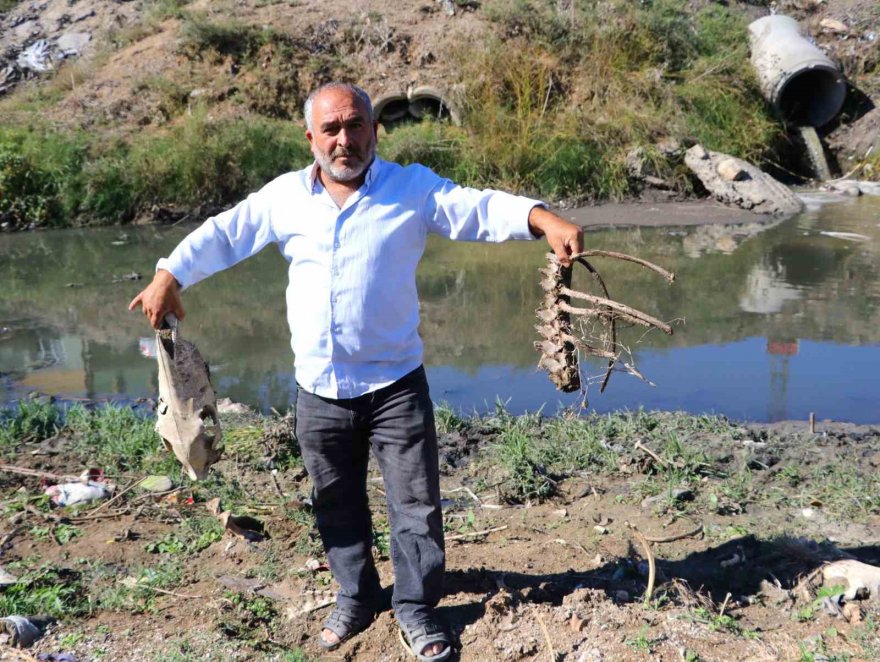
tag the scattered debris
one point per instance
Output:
(846, 236)
(68, 494)
(18, 631)
(737, 182)
(7, 578)
(227, 406)
(156, 484)
(668, 497)
(131, 276)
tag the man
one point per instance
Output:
(353, 228)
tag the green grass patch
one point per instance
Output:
(48, 590)
(119, 439)
(135, 593)
(31, 420)
(55, 178)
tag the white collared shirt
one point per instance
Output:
(352, 303)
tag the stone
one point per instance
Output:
(833, 25)
(751, 189)
(72, 43)
(578, 624)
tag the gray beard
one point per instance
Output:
(343, 174)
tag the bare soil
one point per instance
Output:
(563, 579)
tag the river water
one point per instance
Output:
(772, 321)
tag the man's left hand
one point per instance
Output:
(566, 239)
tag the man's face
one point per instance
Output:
(342, 137)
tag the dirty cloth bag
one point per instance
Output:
(187, 410)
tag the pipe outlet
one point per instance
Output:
(414, 105)
(796, 76)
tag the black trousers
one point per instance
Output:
(397, 423)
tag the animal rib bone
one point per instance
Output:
(561, 344)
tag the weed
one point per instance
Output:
(447, 419)
(136, 593)
(64, 533)
(197, 534)
(71, 639)
(45, 590)
(382, 538)
(641, 641)
(167, 544)
(31, 420)
(516, 452)
(119, 439)
(248, 618)
(843, 490)
(198, 161)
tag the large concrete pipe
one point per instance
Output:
(795, 75)
(415, 105)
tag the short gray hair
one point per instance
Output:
(351, 88)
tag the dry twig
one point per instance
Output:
(678, 536)
(546, 636)
(652, 566)
(462, 536)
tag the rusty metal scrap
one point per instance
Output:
(561, 342)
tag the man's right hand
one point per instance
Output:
(159, 298)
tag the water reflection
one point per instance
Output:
(780, 320)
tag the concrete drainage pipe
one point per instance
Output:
(417, 104)
(795, 75)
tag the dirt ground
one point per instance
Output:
(563, 578)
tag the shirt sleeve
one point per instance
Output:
(222, 241)
(467, 214)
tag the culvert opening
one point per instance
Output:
(394, 110)
(812, 97)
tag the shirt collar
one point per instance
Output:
(372, 173)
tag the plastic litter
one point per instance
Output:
(19, 631)
(68, 494)
(36, 57)
(156, 484)
(57, 657)
(7, 578)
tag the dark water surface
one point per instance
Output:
(779, 321)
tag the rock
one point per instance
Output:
(833, 25)
(227, 406)
(72, 43)
(846, 187)
(853, 612)
(678, 494)
(578, 624)
(750, 188)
